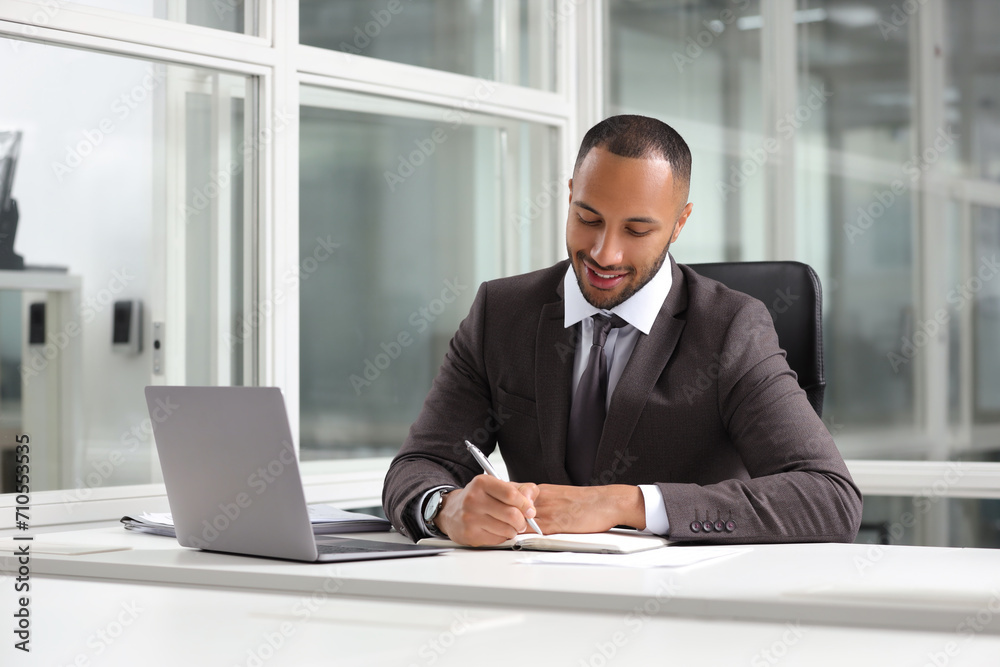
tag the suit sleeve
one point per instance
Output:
(799, 487)
(456, 408)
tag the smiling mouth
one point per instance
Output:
(602, 280)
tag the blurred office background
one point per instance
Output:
(310, 197)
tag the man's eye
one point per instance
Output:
(588, 222)
(640, 234)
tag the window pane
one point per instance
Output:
(129, 187)
(931, 520)
(512, 41)
(981, 284)
(404, 210)
(229, 15)
(697, 67)
(973, 93)
(854, 211)
(956, 312)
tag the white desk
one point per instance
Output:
(110, 624)
(860, 586)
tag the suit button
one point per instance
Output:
(695, 527)
(730, 526)
(707, 526)
(719, 526)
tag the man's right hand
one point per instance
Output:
(487, 511)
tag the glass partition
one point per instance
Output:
(404, 210)
(511, 41)
(697, 67)
(981, 287)
(855, 203)
(973, 85)
(130, 191)
(931, 519)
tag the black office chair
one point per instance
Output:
(794, 297)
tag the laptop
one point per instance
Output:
(233, 481)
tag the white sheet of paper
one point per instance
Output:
(664, 557)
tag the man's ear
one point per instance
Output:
(681, 221)
(570, 191)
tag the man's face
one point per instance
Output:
(623, 216)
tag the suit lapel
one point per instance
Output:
(644, 367)
(554, 354)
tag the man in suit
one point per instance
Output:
(622, 388)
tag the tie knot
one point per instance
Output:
(603, 326)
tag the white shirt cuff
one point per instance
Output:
(657, 522)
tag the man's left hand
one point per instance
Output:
(589, 509)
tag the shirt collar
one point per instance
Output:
(639, 310)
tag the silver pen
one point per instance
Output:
(491, 471)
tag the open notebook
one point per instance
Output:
(612, 542)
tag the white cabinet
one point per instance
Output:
(50, 385)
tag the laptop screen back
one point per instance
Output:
(230, 470)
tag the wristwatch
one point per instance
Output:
(433, 508)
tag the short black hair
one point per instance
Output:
(640, 137)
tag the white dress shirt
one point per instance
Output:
(639, 310)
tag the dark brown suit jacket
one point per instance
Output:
(706, 408)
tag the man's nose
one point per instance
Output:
(607, 251)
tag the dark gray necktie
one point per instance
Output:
(586, 418)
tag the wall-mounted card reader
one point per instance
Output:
(36, 323)
(158, 348)
(126, 327)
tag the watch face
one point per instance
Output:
(433, 504)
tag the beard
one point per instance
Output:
(644, 275)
